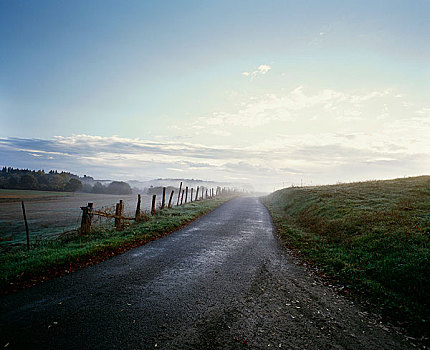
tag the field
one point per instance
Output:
(372, 237)
(51, 213)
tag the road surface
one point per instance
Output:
(223, 282)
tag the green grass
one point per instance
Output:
(19, 266)
(372, 237)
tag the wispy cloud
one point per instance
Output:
(261, 70)
(294, 105)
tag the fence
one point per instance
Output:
(88, 212)
(121, 219)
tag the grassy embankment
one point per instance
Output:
(373, 237)
(52, 258)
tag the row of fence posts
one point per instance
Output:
(88, 212)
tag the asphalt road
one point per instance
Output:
(223, 282)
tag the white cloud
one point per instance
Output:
(264, 68)
(423, 111)
(297, 104)
(261, 70)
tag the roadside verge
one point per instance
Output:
(372, 238)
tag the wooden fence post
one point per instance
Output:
(163, 201)
(117, 220)
(197, 193)
(186, 194)
(191, 194)
(206, 193)
(182, 197)
(137, 215)
(153, 204)
(26, 225)
(170, 199)
(87, 216)
(121, 213)
(179, 193)
(119, 210)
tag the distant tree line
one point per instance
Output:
(115, 187)
(25, 179)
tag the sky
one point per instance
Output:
(272, 93)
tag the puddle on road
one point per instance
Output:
(148, 252)
(192, 229)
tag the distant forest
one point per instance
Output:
(25, 179)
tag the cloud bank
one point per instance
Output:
(270, 141)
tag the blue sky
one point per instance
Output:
(267, 92)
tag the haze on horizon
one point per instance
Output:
(269, 93)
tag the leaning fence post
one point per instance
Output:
(179, 193)
(182, 197)
(163, 201)
(170, 199)
(137, 215)
(26, 225)
(191, 194)
(153, 204)
(197, 193)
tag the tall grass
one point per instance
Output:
(372, 236)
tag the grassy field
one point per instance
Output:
(51, 258)
(372, 237)
(51, 213)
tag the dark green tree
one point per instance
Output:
(28, 182)
(73, 185)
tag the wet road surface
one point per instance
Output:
(223, 282)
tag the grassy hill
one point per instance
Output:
(371, 236)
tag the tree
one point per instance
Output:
(12, 181)
(119, 187)
(57, 183)
(73, 185)
(99, 188)
(28, 182)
